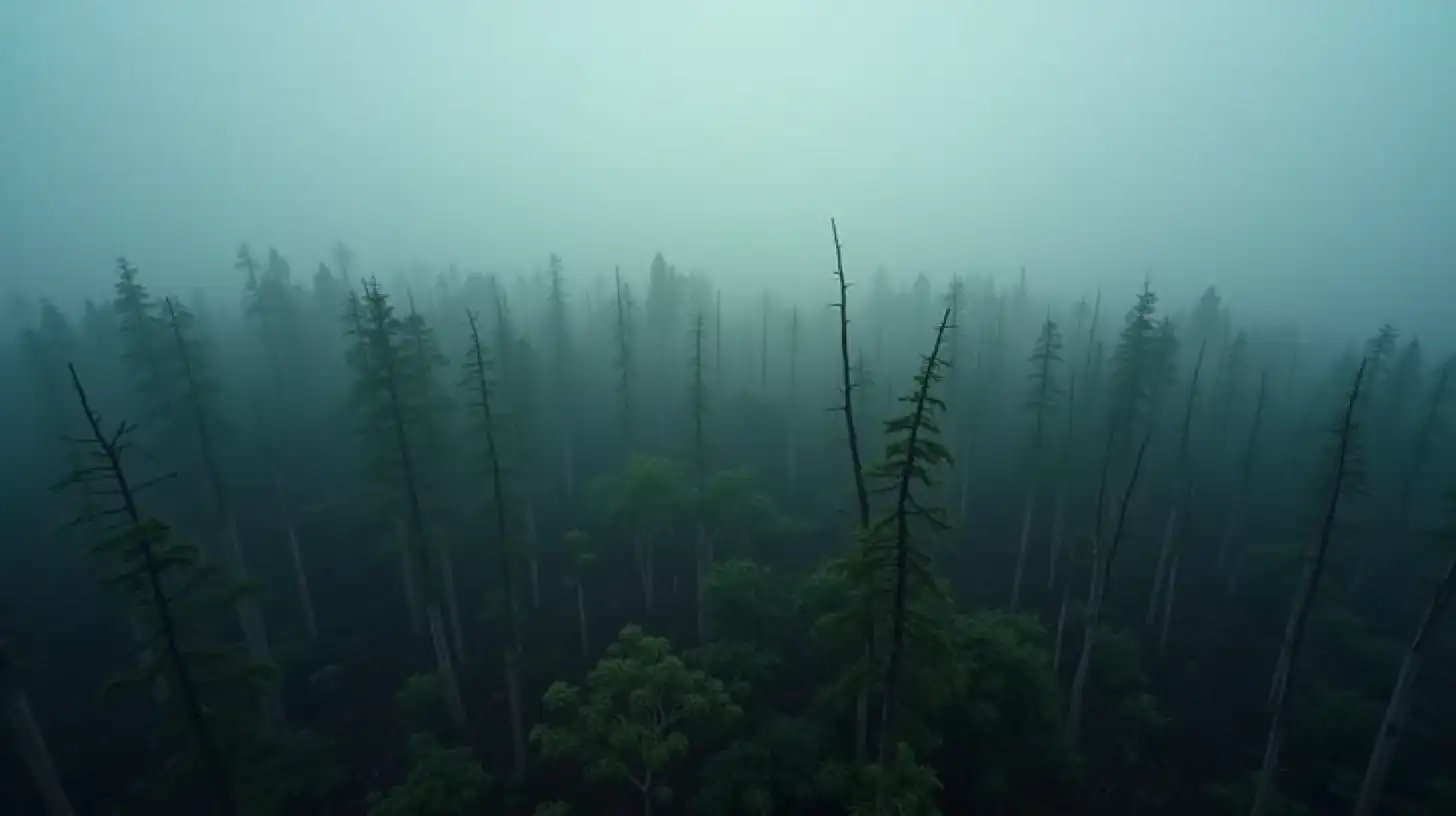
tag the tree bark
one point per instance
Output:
(451, 687)
(1397, 712)
(30, 743)
(1021, 549)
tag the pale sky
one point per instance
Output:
(1281, 150)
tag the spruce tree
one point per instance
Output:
(478, 385)
(392, 407)
(1041, 401)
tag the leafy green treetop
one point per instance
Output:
(632, 718)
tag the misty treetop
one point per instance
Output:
(583, 539)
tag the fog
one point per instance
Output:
(1298, 155)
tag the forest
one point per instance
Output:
(441, 540)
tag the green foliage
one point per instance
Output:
(773, 770)
(649, 493)
(912, 787)
(442, 782)
(1235, 798)
(633, 716)
(422, 700)
(1137, 362)
(1007, 712)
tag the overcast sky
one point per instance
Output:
(1276, 149)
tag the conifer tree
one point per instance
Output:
(1041, 401)
(478, 385)
(1137, 369)
(1398, 710)
(392, 408)
(626, 370)
(420, 361)
(1165, 575)
(200, 394)
(698, 402)
(849, 381)
(909, 462)
(562, 372)
(168, 580)
(1102, 563)
(1340, 480)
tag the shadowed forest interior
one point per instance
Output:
(717, 409)
(466, 543)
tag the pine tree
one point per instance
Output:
(169, 580)
(391, 406)
(1041, 401)
(477, 384)
(902, 561)
(1339, 483)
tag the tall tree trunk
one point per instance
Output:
(581, 619)
(1101, 576)
(305, 596)
(454, 704)
(30, 743)
(705, 566)
(1170, 529)
(413, 604)
(533, 553)
(1021, 549)
(1168, 602)
(255, 633)
(513, 700)
(1059, 527)
(1397, 712)
(1299, 613)
(452, 601)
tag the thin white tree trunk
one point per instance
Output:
(1397, 712)
(452, 601)
(1160, 576)
(533, 553)
(581, 619)
(1059, 527)
(449, 684)
(255, 632)
(1084, 660)
(413, 604)
(513, 700)
(31, 745)
(305, 596)
(1021, 549)
(1168, 602)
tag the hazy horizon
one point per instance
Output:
(1297, 156)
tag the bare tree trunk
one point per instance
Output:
(533, 553)
(446, 668)
(452, 601)
(568, 463)
(705, 566)
(1059, 526)
(581, 619)
(1299, 612)
(255, 633)
(1061, 631)
(1164, 552)
(30, 743)
(1084, 660)
(305, 596)
(1397, 712)
(1021, 549)
(1168, 603)
(642, 554)
(513, 699)
(413, 605)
